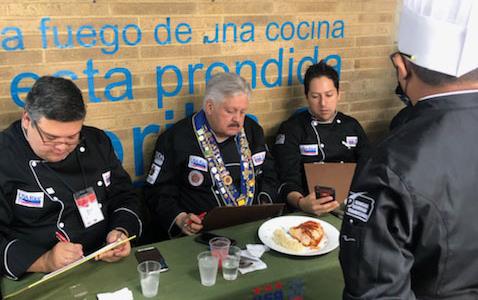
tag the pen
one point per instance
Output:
(200, 216)
(61, 237)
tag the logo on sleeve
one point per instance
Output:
(309, 150)
(29, 199)
(153, 174)
(258, 158)
(280, 139)
(198, 163)
(158, 158)
(359, 206)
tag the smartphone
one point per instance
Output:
(205, 237)
(151, 253)
(324, 191)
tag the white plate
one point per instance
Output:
(266, 232)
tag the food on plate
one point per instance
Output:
(280, 237)
(309, 233)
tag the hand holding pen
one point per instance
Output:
(193, 223)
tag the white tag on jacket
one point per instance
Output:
(309, 150)
(280, 139)
(198, 163)
(29, 199)
(158, 158)
(106, 178)
(153, 173)
(352, 141)
(258, 158)
(359, 206)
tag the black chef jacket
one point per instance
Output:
(302, 139)
(410, 228)
(175, 185)
(35, 202)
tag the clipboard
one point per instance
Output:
(336, 175)
(71, 266)
(225, 216)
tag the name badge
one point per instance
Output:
(198, 163)
(258, 158)
(88, 207)
(309, 150)
(29, 199)
(352, 141)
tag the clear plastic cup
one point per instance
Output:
(208, 265)
(230, 263)
(149, 277)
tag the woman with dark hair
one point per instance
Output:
(319, 134)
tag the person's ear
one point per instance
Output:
(209, 107)
(403, 70)
(26, 120)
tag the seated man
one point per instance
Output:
(63, 192)
(319, 134)
(217, 157)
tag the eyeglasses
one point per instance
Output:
(49, 140)
(407, 56)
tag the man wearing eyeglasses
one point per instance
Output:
(63, 192)
(411, 220)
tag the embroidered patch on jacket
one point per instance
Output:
(198, 163)
(359, 206)
(280, 139)
(195, 178)
(258, 158)
(309, 150)
(153, 174)
(106, 178)
(158, 158)
(29, 199)
(352, 141)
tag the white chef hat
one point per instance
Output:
(440, 35)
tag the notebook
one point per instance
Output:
(336, 175)
(225, 216)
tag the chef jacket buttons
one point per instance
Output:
(322, 145)
(61, 224)
(99, 183)
(338, 121)
(82, 149)
(100, 205)
(34, 164)
(55, 198)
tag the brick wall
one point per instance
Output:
(129, 72)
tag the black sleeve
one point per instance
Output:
(375, 237)
(161, 189)
(17, 255)
(287, 154)
(123, 207)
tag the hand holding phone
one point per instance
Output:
(151, 253)
(205, 237)
(324, 191)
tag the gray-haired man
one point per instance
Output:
(217, 157)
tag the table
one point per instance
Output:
(287, 277)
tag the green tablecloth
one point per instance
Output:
(287, 277)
